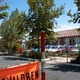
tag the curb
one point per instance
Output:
(22, 58)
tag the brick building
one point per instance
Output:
(69, 37)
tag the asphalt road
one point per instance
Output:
(62, 72)
(8, 61)
(54, 72)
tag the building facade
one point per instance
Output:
(69, 37)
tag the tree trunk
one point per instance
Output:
(9, 50)
(38, 44)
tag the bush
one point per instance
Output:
(2, 46)
(77, 60)
(35, 55)
(24, 54)
(14, 47)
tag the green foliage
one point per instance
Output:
(3, 15)
(2, 48)
(29, 45)
(35, 55)
(3, 6)
(78, 29)
(42, 16)
(14, 26)
(77, 2)
(77, 60)
(24, 54)
(32, 43)
(13, 29)
(75, 17)
(79, 48)
(15, 47)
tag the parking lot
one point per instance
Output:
(59, 48)
(8, 61)
(62, 72)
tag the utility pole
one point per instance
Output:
(43, 55)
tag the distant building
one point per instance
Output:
(69, 37)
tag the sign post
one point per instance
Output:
(43, 55)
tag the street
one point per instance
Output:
(8, 61)
(62, 72)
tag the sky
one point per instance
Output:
(62, 20)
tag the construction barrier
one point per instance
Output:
(28, 71)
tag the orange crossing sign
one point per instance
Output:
(28, 71)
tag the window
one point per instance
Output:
(66, 40)
(77, 40)
(58, 41)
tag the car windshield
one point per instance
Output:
(54, 47)
(74, 47)
(47, 47)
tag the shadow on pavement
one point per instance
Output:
(18, 58)
(64, 68)
(12, 58)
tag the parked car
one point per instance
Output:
(69, 48)
(74, 50)
(35, 49)
(55, 48)
(64, 48)
(47, 47)
(59, 50)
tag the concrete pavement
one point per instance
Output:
(59, 60)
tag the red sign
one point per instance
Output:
(20, 50)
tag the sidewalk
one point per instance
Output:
(62, 60)
(59, 60)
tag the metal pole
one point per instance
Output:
(67, 57)
(43, 55)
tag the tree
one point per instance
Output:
(12, 28)
(75, 17)
(3, 6)
(77, 2)
(42, 16)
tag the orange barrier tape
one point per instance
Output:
(23, 72)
